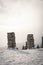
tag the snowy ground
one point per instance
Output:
(21, 57)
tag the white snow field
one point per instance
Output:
(21, 57)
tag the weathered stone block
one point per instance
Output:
(11, 40)
(30, 41)
(42, 42)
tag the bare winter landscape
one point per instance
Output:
(21, 32)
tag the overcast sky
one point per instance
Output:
(22, 17)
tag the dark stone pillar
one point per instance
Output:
(42, 42)
(30, 41)
(11, 40)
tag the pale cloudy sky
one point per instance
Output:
(22, 17)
